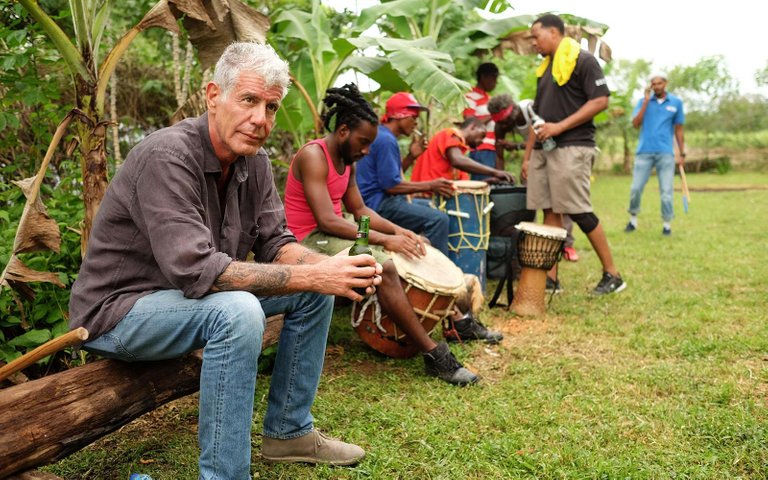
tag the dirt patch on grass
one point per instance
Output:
(750, 383)
(336, 363)
(512, 325)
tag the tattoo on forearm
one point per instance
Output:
(257, 278)
(303, 258)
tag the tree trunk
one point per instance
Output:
(176, 69)
(47, 419)
(94, 167)
(115, 120)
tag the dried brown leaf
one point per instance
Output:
(159, 16)
(16, 271)
(37, 231)
(214, 24)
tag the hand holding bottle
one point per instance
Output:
(548, 143)
(361, 246)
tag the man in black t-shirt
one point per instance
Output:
(570, 91)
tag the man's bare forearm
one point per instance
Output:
(297, 254)
(261, 279)
(278, 278)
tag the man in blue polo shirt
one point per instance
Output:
(661, 116)
(380, 180)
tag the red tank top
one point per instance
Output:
(300, 219)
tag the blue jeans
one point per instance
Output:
(229, 326)
(486, 157)
(665, 171)
(430, 222)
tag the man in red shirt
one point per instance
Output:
(445, 155)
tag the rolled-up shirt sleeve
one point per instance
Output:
(169, 209)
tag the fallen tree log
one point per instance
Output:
(45, 420)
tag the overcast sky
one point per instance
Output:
(668, 33)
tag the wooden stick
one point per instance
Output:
(685, 183)
(686, 193)
(73, 337)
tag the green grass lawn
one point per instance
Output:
(668, 379)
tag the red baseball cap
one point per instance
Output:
(402, 105)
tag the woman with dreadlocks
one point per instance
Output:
(321, 177)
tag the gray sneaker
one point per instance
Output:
(441, 363)
(314, 447)
(609, 284)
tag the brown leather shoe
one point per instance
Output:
(314, 447)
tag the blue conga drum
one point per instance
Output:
(469, 226)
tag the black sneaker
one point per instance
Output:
(553, 286)
(609, 284)
(666, 231)
(630, 228)
(441, 363)
(469, 329)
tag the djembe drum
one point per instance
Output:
(469, 225)
(539, 248)
(432, 283)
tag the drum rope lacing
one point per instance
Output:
(438, 315)
(464, 237)
(373, 299)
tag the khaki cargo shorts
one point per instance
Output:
(559, 179)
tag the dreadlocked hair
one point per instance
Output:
(348, 106)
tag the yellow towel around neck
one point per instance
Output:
(565, 61)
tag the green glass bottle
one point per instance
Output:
(361, 243)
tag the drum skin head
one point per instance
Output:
(546, 231)
(471, 186)
(434, 273)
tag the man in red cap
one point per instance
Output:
(380, 179)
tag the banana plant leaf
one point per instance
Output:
(421, 66)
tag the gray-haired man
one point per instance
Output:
(166, 273)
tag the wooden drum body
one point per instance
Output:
(431, 284)
(539, 248)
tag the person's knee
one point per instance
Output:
(389, 271)
(587, 222)
(443, 220)
(319, 300)
(240, 318)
